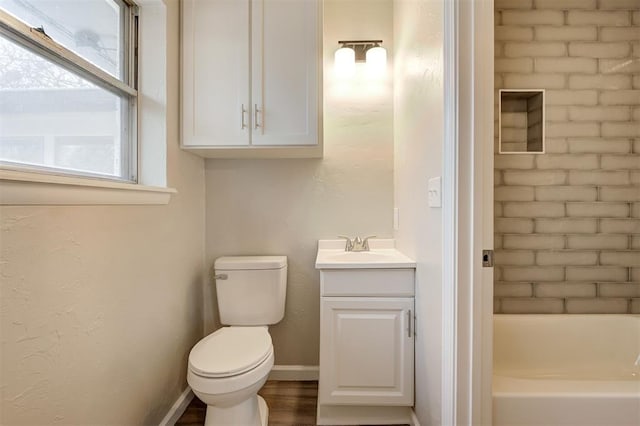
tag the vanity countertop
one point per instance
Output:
(382, 254)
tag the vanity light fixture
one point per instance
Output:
(345, 62)
(352, 51)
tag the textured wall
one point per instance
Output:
(418, 134)
(100, 305)
(285, 206)
(567, 225)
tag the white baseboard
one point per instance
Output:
(302, 373)
(178, 408)
(414, 419)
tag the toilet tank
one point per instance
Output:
(251, 290)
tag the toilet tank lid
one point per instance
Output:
(239, 263)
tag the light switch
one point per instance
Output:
(435, 192)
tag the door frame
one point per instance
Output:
(467, 292)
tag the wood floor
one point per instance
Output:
(290, 404)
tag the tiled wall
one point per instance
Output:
(567, 226)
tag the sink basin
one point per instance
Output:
(382, 254)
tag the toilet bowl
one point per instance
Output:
(226, 370)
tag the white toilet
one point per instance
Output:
(228, 367)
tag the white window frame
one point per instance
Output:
(29, 186)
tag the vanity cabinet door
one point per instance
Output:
(216, 105)
(366, 351)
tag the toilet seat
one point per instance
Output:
(230, 351)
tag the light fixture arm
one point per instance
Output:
(360, 47)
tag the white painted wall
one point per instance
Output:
(285, 206)
(418, 134)
(100, 305)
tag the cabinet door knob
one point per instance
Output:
(255, 116)
(242, 113)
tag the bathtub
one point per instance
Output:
(578, 370)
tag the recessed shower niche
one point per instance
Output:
(521, 121)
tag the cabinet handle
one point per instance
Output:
(255, 116)
(242, 112)
(409, 322)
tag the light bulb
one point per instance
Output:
(345, 62)
(376, 61)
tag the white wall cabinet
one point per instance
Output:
(366, 351)
(251, 78)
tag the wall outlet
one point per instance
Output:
(435, 192)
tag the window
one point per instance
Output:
(68, 97)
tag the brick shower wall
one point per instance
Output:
(567, 225)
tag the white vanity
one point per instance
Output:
(366, 334)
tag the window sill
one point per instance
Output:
(28, 188)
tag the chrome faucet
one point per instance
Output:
(356, 244)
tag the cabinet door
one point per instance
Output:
(366, 351)
(286, 60)
(215, 73)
